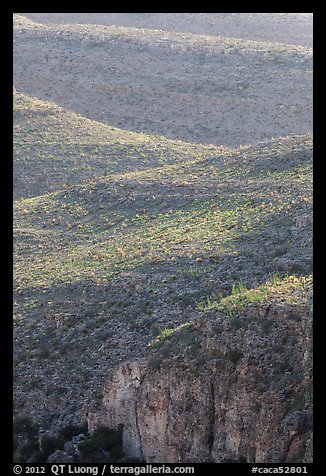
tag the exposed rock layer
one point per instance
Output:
(228, 393)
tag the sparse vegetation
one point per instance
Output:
(103, 440)
(153, 211)
(67, 432)
(235, 303)
(50, 444)
(234, 355)
(24, 425)
(25, 438)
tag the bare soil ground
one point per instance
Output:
(197, 88)
(107, 261)
(162, 173)
(290, 28)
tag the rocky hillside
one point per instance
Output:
(290, 28)
(222, 388)
(95, 287)
(197, 88)
(162, 270)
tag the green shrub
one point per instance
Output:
(50, 444)
(71, 430)
(237, 288)
(155, 362)
(167, 332)
(25, 438)
(104, 439)
(28, 449)
(266, 326)
(234, 355)
(23, 425)
(286, 366)
(236, 323)
(116, 453)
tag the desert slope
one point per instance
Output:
(102, 268)
(290, 28)
(236, 389)
(162, 238)
(197, 88)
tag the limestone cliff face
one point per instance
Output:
(218, 391)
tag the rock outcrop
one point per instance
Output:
(220, 390)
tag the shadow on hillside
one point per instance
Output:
(181, 279)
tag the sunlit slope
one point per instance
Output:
(100, 269)
(55, 148)
(195, 210)
(239, 216)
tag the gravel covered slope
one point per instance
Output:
(186, 86)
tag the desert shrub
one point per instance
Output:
(23, 425)
(155, 362)
(266, 326)
(50, 444)
(285, 366)
(104, 439)
(25, 438)
(234, 355)
(236, 323)
(116, 453)
(28, 449)
(71, 430)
